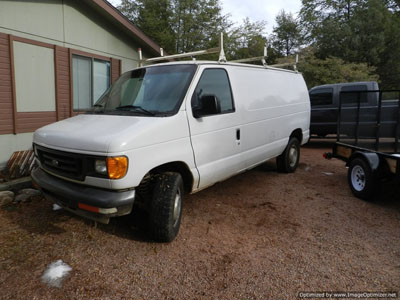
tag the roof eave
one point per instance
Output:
(116, 16)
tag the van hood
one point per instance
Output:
(111, 133)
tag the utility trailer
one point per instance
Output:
(368, 140)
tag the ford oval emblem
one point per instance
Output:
(55, 162)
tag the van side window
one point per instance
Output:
(354, 91)
(215, 82)
(321, 96)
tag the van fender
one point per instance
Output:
(371, 158)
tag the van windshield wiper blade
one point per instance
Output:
(96, 109)
(137, 108)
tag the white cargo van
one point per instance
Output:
(165, 130)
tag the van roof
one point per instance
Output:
(210, 62)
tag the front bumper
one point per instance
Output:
(68, 195)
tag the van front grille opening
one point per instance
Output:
(65, 164)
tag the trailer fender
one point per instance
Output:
(370, 157)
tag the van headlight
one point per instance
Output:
(100, 166)
(112, 167)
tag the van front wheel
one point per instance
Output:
(166, 206)
(288, 161)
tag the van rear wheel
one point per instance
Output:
(288, 161)
(166, 206)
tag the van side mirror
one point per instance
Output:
(207, 105)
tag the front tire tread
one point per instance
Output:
(162, 224)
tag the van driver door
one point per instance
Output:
(216, 138)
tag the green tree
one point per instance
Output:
(189, 25)
(357, 31)
(368, 27)
(315, 15)
(198, 24)
(318, 71)
(389, 66)
(248, 40)
(393, 5)
(178, 25)
(286, 35)
(154, 17)
(129, 9)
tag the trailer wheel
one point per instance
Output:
(361, 179)
(288, 161)
(166, 206)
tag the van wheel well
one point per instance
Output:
(298, 134)
(178, 167)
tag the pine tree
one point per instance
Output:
(286, 35)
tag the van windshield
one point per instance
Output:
(152, 91)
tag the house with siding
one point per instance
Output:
(56, 59)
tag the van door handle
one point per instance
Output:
(238, 134)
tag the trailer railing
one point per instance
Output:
(370, 119)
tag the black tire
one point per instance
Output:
(165, 212)
(361, 179)
(288, 161)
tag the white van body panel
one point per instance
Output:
(216, 150)
(112, 133)
(165, 140)
(266, 112)
(272, 104)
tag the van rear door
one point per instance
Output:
(215, 138)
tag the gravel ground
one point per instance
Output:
(259, 235)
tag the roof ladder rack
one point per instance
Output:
(221, 59)
(288, 64)
(219, 50)
(250, 59)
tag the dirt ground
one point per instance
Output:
(259, 235)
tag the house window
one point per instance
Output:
(91, 78)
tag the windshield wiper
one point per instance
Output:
(96, 109)
(137, 108)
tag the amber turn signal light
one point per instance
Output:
(117, 167)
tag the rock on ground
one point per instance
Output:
(6, 197)
(30, 192)
(26, 195)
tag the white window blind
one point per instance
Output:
(91, 78)
(101, 78)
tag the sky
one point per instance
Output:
(256, 10)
